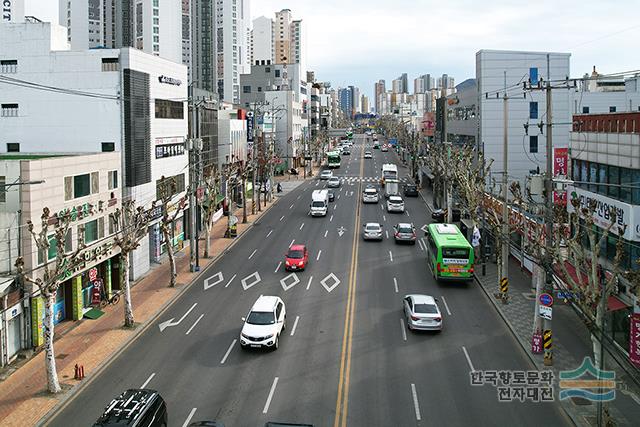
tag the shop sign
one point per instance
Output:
(169, 80)
(169, 150)
(601, 215)
(634, 339)
(170, 140)
(96, 292)
(93, 274)
(250, 124)
(83, 211)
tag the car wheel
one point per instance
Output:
(409, 325)
(277, 343)
(413, 243)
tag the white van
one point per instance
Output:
(319, 202)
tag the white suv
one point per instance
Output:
(370, 195)
(264, 323)
(395, 204)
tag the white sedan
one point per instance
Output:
(326, 174)
(395, 204)
(367, 155)
(422, 312)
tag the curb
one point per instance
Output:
(76, 389)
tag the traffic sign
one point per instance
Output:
(546, 300)
(545, 312)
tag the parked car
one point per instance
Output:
(296, 258)
(326, 174)
(395, 204)
(372, 231)
(370, 195)
(264, 323)
(440, 215)
(135, 407)
(422, 312)
(368, 155)
(410, 190)
(404, 232)
(334, 182)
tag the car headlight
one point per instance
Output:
(246, 336)
(300, 263)
(268, 336)
(287, 263)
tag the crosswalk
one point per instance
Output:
(372, 179)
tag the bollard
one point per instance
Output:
(548, 344)
(76, 374)
(81, 372)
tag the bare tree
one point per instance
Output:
(212, 181)
(131, 224)
(168, 188)
(51, 276)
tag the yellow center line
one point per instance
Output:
(347, 339)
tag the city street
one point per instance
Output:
(346, 356)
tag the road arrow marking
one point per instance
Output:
(341, 231)
(257, 280)
(208, 285)
(336, 282)
(424, 228)
(170, 322)
(283, 281)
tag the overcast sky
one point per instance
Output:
(360, 41)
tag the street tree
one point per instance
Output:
(168, 188)
(212, 181)
(51, 275)
(131, 225)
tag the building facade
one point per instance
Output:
(462, 114)
(263, 40)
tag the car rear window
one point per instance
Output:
(317, 204)
(395, 199)
(371, 191)
(296, 254)
(373, 227)
(425, 308)
(405, 229)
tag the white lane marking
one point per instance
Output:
(420, 244)
(384, 217)
(282, 217)
(387, 233)
(402, 326)
(295, 325)
(318, 257)
(302, 226)
(326, 232)
(331, 219)
(229, 282)
(407, 212)
(291, 207)
(148, 380)
(168, 323)
(309, 284)
(381, 207)
(415, 401)
(195, 323)
(292, 242)
(338, 197)
(466, 354)
(224, 359)
(444, 301)
(298, 198)
(188, 420)
(395, 284)
(278, 267)
(335, 206)
(270, 233)
(273, 389)
(391, 256)
(253, 253)
(317, 183)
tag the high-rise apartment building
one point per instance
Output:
(288, 39)
(262, 40)
(364, 104)
(186, 34)
(380, 95)
(202, 65)
(423, 84)
(446, 82)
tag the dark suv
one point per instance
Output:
(440, 215)
(135, 408)
(411, 190)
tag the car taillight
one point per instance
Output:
(415, 318)
(471, 270)
(438, 268)
(397, 234)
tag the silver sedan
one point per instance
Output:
(372, 231)
(422, 312)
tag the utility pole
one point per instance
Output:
(504, 279)
(193, 146)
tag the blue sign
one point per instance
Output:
(546, 300)
(393, 141)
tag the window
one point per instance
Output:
(108, 146)
(8, 66)
(155, 3)
(533, 110)
(585, 110)
(267, 69)
(81, 185)
(612, 109)
(166, 109)
(113, 179)
(53, 247)
(156, 21)
(614, 179)
(533, 75)
(277, 73)
(3, 191)
(259, 89)
(156, 48)
(246, 89)
(626, 180)
(91, 231)
(156, 30)
(156, 12)
(9, 110)
(113, 224)
(109, 64)
(533, 143)
(156, 39)
(13, 147)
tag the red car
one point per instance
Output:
(296, 258)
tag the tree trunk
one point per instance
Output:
(128, 306)
(207, 236)
(597, 344)
(50, 362)
(172, 260)
(538, 274)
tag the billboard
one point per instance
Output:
(12, 10)
(560, 161)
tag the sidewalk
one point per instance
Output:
(24, 399)
(571, 340)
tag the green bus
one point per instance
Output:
(333, 159)
(449, 254)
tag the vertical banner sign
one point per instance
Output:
(250, 126)
(634, 340)
(37, 316)
(536, 343)
(560, 160)
(429, 123)
(12, 10)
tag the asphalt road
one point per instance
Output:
(346, 357)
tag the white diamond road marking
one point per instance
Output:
(256, 280)
(336, 282)
(208, 285)
(283, 281)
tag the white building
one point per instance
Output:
(262, 40)
(88, 114)
(599, 94)
(231, 47)
(153, 26)
(232, 135)
(525, 152)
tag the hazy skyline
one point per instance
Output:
(359, 42)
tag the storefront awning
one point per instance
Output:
(615, 304)
(5, 283)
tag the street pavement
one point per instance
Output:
(346, 357)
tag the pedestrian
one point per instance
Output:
(475, 242)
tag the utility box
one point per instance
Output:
(536, 185)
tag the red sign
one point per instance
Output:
(560, 160)
(546, 300)
(93, 274)
(428, 123)
(96, 293)
(634, 340)
(536, 343)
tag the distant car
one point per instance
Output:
(370, 195)
(326, 174)
(334, 182)
(422, 312)
(440, 215)
(384, 148)
(404, 232)
(395, 204)
(346, 151)
(143, 407)
(372, 231)
(296, 258)
(264, 323)
(332, 195)
(367, 155)
(376, 145)
(410, 190)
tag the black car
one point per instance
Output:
(346, 152)
(332, 195)
(411, 190)
(135, 407)
(440, 215)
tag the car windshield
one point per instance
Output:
(373, 227)
(261, 318)
(317, 204)
(405, 230)
(425, 308)
(297, 254)
(411, 187)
